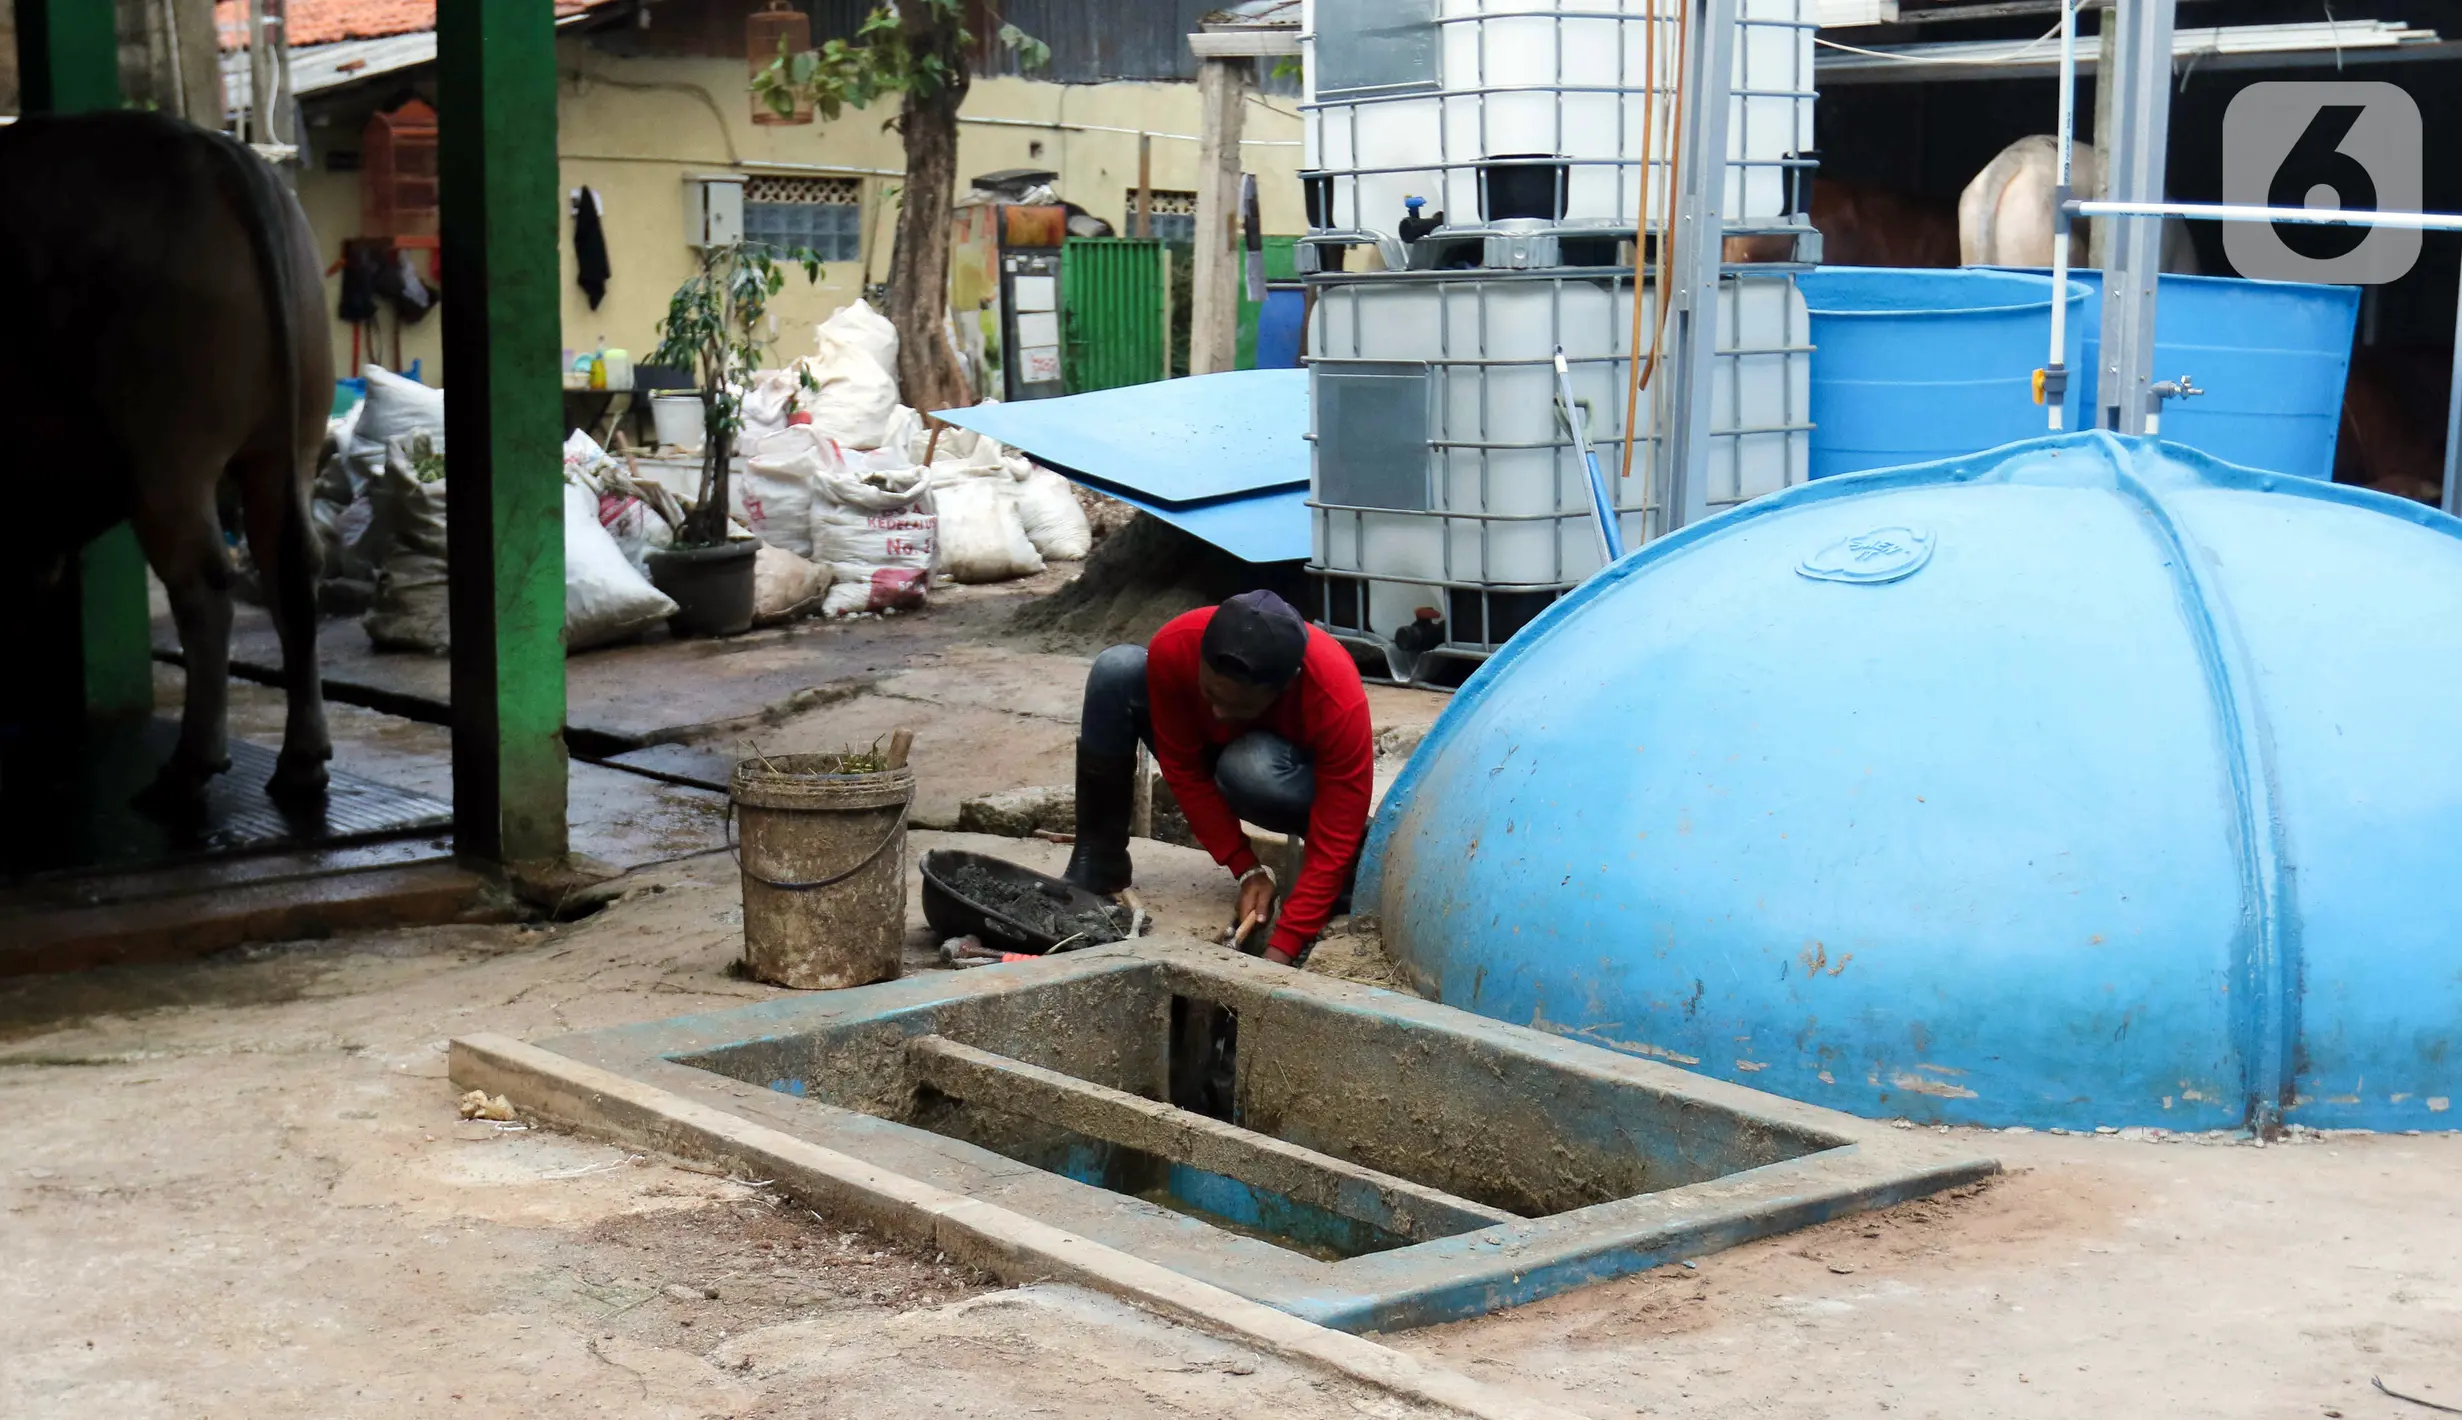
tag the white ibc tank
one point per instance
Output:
(1423, 98)
(1438, 458)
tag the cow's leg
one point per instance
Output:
(182, 538)
(275, 497)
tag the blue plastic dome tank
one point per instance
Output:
(2088, 781)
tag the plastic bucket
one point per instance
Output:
(2271, 356)
(823, 856)
(1914, 365)
(676, 418)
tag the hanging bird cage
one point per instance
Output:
(769, 33)
(398, 172)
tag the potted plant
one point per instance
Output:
(715, 327)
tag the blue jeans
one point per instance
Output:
(1265, 778)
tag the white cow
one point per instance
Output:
(2005, 214)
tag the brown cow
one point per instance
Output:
(2393, 421)
(161, 327)
(1862, 225)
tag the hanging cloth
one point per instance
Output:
(589, 246)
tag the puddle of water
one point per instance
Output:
(1212, 1199)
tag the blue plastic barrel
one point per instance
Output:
(2271, 356)
(1914, 365)
(1281, 324)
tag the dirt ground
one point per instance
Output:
(239, 1188)
(2099, 1276)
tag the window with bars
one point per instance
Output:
(823, 215)
(1175, 215)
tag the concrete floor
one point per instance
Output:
(238, 1187)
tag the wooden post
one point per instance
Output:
(496, 91)
(1144, 225)
(1223, 86)
(68, 54)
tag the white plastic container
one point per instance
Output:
(1488, 493)
(1402, 113)
(677, 420)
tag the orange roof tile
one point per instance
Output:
(329, 21)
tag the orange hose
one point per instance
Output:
(1641, 227)
(1675, 169)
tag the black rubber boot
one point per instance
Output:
(1106, 794)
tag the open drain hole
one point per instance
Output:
(1324, 1128)
(1205, 1057)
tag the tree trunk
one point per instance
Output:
(8, 59)
(929, 375)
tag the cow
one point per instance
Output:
(2005, 214)
(2393, 421)
(1865, 225)
(161, 328)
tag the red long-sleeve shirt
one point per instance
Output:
(1324, 712)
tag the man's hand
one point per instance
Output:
(1256, 907)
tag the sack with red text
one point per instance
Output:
(877, 534)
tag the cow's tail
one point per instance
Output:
(267, 210)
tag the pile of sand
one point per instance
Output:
(1142, 576)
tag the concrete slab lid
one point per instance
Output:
(1172, 442)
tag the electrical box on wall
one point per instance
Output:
(713, 209)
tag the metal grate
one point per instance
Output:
(1175, 215)
(75, 813)
(842, 192)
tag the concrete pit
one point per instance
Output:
(1366, 1161)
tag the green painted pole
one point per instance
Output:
(68, 61)
(496, 92)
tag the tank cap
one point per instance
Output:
(1871, 558)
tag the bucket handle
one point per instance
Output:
(896, 831)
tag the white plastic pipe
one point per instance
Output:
(2058, 407)
(2318, 216)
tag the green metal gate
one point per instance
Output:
(1113, 312)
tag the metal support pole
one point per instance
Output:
(2133, 166)
(1143, 227)
(68, 61)
(1698, 231)
(496, 91)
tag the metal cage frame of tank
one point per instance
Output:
(1746, 97)
(1638, 504)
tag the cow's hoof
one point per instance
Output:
(298, 781)
(178, 791)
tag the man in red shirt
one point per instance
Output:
(1251, 714)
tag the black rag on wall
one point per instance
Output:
(589, 246)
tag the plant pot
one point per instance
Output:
(712, 587)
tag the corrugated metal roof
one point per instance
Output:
(1094, 42)
(317, 68)
(2212, 46)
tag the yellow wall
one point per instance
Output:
(635, 146)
